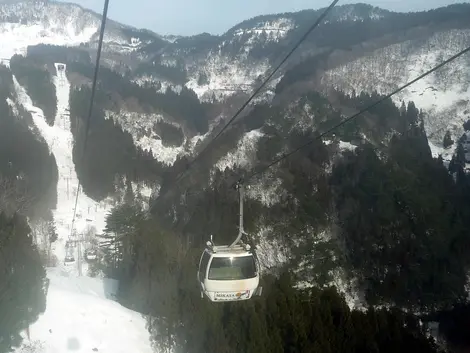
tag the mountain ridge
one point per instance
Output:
(371, 209)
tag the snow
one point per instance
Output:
(274, 31)
(346, 146)
(140, 126)
(267, 189)
(349, 12)
(80, 314)
(153, 80)
(199, 138)
(42, 22)
(348, 287)
(13, 106)
(269, 250)
(443, 95)
(226, 76)
(80, 317)
(16, 37)
(342, 145)
(60, 141)
(244, 154)
(142, 192)
(446, 153)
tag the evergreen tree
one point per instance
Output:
(460, 155)
(466, 125)
(29, 72)
(28, 167)
(23, 282)
(447, 140)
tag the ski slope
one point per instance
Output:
(80, 318)
(81, 315)
(90, 215)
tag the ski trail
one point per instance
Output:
(81, 318)
(80, 315)
(90, 214)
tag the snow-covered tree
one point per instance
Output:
(44, 234)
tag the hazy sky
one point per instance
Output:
(189, 17)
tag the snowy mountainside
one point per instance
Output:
(148, 133)
(81, 313)
(60, 143)
(288, 21)
(142, 129)
(443, 96)
(217, 67)
(273, 199)
(282, 218)
(25, 23)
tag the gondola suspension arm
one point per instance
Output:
(241, 231)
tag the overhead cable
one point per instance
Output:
(354, 116)
(253, 95)
(92, 100)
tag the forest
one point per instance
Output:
(184, 107)
(37, 79)
(28, 176)
(20, 304)
(382, 215)
(397, 220)
(157, 278)
(29, 162)
(106, 158)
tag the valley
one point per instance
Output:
(373, 215)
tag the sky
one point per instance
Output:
(188, 17)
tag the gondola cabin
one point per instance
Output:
(228, 273)
(69, 255)
(90, 254)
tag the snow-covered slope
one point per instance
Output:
(220, 66)
(140, 127)
(60, 140)
(444, 96)
(80, 314)
(17, 36)
(244, 154)
(215, 67)
(81, 317)
(26, 23)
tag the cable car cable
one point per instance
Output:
(354, 116)
(92, 99)
(239, 111)
(299, 42)
(218, 286)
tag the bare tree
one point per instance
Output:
(90, 238)
(44, 234)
